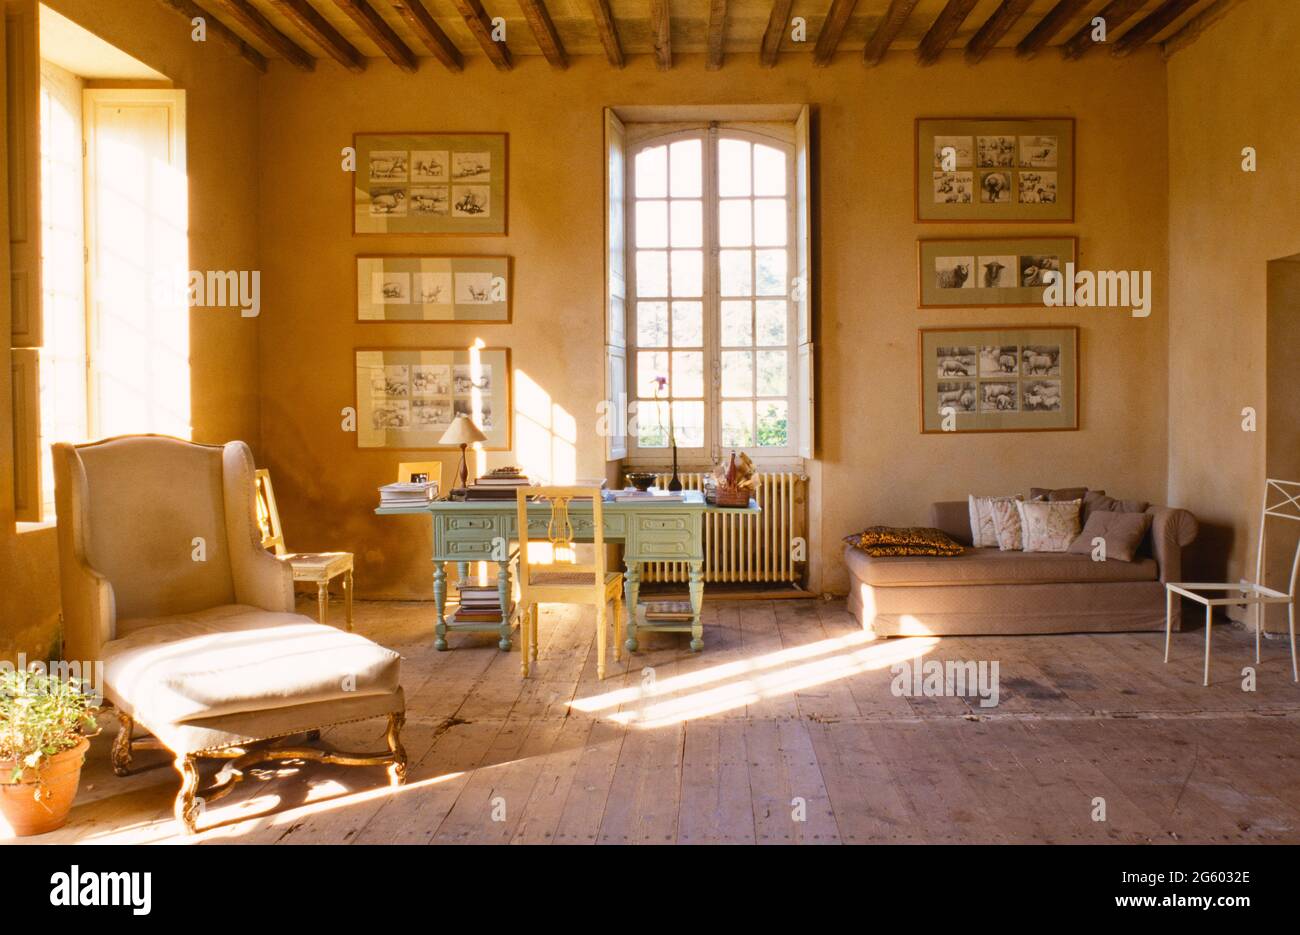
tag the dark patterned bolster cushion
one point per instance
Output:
(892, 540)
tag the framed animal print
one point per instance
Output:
(999, 379)
(473, 289)
(407, 398)
(994, 169)
(979, 272)
(430, 183)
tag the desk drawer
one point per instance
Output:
(470, 549)
(665, 536)
(456, 524)
(583, 527)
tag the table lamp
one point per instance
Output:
(463, 432)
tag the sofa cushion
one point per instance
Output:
(1058, 493)
(982, 529)
(892, 540)
(1122, 532)
(1096, 500)
(1049, 526)
(1007, 525)
(993, 566)
(233, 659)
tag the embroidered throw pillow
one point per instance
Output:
(891, 540)
(1049, 525)
(982, 530)
(1006, 524)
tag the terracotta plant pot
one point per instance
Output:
(57, 779)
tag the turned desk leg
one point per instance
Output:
(440, 605)
(631, 591)
(503, 593)
(697, 603)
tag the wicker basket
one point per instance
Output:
(732, 496)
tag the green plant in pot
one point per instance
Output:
(44, 722)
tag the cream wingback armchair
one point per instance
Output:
(165, 581)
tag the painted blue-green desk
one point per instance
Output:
(482, 531)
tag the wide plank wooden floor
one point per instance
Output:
(784, 730)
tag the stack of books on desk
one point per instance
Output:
(407, 494)
(668, 612)
(479, 603)
(653, 495)
(500, 484)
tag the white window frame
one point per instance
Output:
(778, 135)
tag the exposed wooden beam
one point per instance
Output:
(303, 15)
(1114, 13)
(887, 30)
(252, 20)
(717, 31)
(1146, 30)
(430, 33)
(1196, 25)
(191, 10)
(1047, 27)
(777, 22)
(379, 32)
(539, 21)
(480, 25)
(994, 28)
(943, 28)
(661, 29)
(607, 31)
(832, 29)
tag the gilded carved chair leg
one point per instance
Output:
(121, 756)
(186, 808)
(396, 769)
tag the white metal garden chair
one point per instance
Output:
(1257, 595)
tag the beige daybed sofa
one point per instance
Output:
(987, 591)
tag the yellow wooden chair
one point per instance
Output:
(319, 568)
(565, 583)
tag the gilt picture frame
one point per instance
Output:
(1014, 378)
(994, 169)
(419, 288)
(982, 272)
(430, 183)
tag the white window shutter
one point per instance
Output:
(805, 376)
(615, 288)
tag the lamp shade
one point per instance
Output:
(462, 431)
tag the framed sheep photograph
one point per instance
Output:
(994, 169)
(999, 379)
(980, 272)
(461, 289)
(429, 183)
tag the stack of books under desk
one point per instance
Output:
(479, 603)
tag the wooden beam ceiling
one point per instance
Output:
(945, 26)
(1047, 27)
(1114, 13)
(548, 40)
(994, 28)
(661, 29)
(379, 32)
(252, 20)
(832, 29)
(607, 31)
(428, 31)
(303, 15)
(715, 34)
(776, 25)
(1154, 23)
(191, 11)
(1203, 20)
(887, 30)
(480, 25)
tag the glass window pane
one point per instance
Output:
(651, 272)
(736, 328)
(649, 366)
(769, 171)
(736, 274)
(652, 324)
(652, 224)
(688, 373)
(737, 373)
(652, 172)
(737, 424)
(688, 272)
(772, 373)
(770, 266)
(734, 223)
(733, 167)
(770, 226)
(651, 420)
(771, 323)
(688, 224)
(688, 423)
(773, 423)
(687, 169)
(688, 324)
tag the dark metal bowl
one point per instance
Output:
(642, 480)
